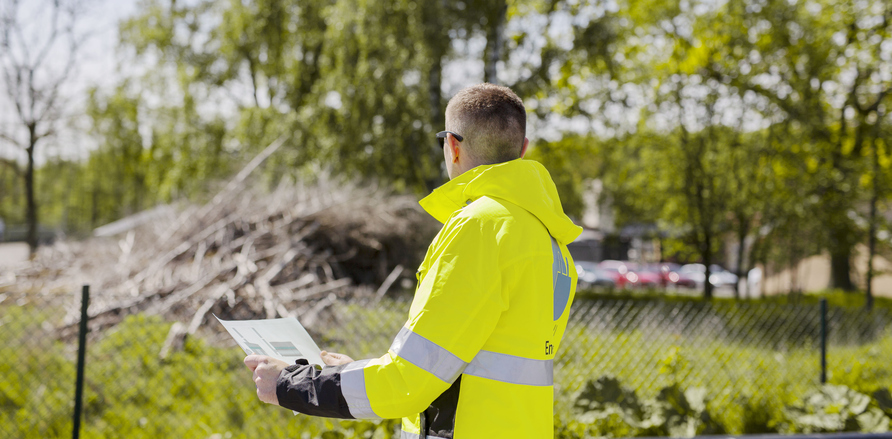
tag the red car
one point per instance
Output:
(671, 275)
(622, 277)
(650, 276)
(627, 275)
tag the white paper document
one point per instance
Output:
(285, 339)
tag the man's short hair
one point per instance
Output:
(492, 121)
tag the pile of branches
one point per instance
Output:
(243, 255)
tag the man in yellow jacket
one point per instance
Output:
(474, 359)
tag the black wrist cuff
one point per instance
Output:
(303, 388)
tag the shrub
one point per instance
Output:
(604, 407)
(604, 403)
(834, 408)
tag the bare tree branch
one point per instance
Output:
(34, 80)
(50, 42)
(12, 140)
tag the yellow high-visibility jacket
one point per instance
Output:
(474, 359)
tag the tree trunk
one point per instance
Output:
(494, 33)
(94, 205)
(874, 199)
(438, 119)
(31, 214)
(872, 242)
(706, 254)
(793, 266)
(840, 268)
(742, 231)
(756, 256)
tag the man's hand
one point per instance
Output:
(333, 359)
(266, 372)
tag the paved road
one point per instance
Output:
(13, 253)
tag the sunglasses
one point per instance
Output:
(441, 137)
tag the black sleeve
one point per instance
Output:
(303, 388)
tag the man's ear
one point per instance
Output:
(456, 147)
(523, 149)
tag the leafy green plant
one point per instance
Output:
(673, 363)
(759, 415)
(673, 412)
(834, 408)
(883, 399)
(604, 407)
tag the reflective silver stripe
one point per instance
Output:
(427, 355)
(511, 369)
(404, 435)
(353, 389)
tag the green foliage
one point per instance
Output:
(863, 368)
(604, 407)
(568, 161)
(835, 408)
(36, 377)
(357, 84)
(753, 359)
(753, 124)
(131, 392)
(653, 380)
(188, 393)
(744, 120)
(835, 298)
(674, 412)
(883, 398)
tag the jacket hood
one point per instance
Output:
(525, 183)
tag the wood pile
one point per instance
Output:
(293, 252)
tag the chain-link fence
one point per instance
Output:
(745, 356)
(139, 382)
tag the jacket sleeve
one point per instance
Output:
(457, 305)
(304, 388)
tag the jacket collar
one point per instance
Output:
(450, 197)
(525, 183)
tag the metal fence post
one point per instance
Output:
(824, 341)
(81, 358)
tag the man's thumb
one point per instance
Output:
(252, 361)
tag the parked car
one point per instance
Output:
(649, 276)
(682, 280)
(672, 276)
(696, 273)
(718, 276)
(619, 270)
(591, 276)
(663, 270)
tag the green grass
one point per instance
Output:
(835, 298)
(740, 379)
(36, 376)
(130, 392)
(750, 367)
(753, 358)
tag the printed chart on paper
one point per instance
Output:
(285, 339)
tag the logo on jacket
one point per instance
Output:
(562, 280)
